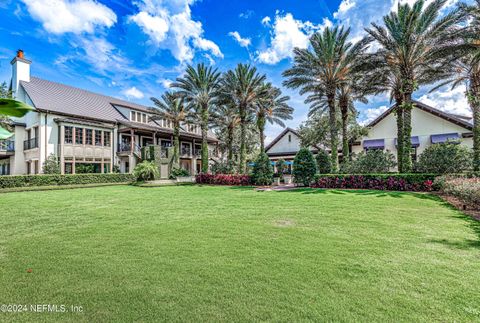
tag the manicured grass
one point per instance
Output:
(190, 253)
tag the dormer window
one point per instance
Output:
(138, 117)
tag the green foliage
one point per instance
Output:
(146, 171)
(465, 189)
(445, 158)
(227, 167)
(304, 167)
(50, 180)
(372, 161)
(51, 165)
(262, 173)
(84, 168)
(323, 162)
(281, 166)
(179, 172)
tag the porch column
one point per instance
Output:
(132, 141)
(62, 144)
(112, 146)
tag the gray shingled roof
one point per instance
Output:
(64, 99)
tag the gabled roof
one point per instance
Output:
(71, 101)
(459, 121)
(280, 136)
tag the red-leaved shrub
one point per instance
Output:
(223, 179)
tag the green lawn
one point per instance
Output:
(193, 253)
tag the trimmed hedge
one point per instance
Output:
(386, 182)
(224, 179)
(52, 180)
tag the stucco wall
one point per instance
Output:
(285, 145)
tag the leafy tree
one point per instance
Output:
(411, 47)
(200, 88)
(445, 158)
(146, 171)
(226, 167)
(304, 167)
(262, 173)
(172, 108)
(323, 162)
(323, 70)
(281, 166)
(226, 120)
(371, 162)
(243, 88)
(51, 165)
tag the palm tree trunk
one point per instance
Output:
(230, 144)
(474, 100)
(176, 146)
(400, 145)
(345, 146)
(261, 131)
(333, 132)
(243, 138)
(407, 133)
(204, 140)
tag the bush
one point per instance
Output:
(223, 179)
(51, 180)
(281, 167)
(85, 169)
(51, 165)
(465, 189)
(304, 167)
(226, 167)
(146, 171)
(371, 162)
(262, 173)
(445, 158)
(390, 182)
(179, 172)
(324, 162)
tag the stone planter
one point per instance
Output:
(287, 179)
(276, 181)
(186, 179)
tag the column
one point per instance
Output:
(62, 144)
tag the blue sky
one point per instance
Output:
(133, 49)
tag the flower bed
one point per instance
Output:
(387, 182)
(465, 189)
(223, 179)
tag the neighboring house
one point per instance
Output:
(84, 128)
(285, 146)
(429, 126)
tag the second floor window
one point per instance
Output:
(88, 136)
(68, 135)
(98, 137)
(79, 136)
(106, 139)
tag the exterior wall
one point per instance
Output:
(424, 125)
(285, 145)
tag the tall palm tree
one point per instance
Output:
(411, 45)
(226, 119)
(199, 86)
(171, 107)
(243, 88)
(323, 70)
(273, 108)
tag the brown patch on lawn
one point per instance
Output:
(458, 204)
(284, 223)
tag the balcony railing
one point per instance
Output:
(163, 152)
(185, 151)
(127, 148)
(7, 145)
(197, 152)
(30, 144)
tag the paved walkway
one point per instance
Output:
(286, 187)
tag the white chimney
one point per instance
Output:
(20, 71)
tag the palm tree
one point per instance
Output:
(411, 46)
(226, 119)
(323, 70)
(243, 88)
(172, 108)
(199, 87)
(272, 107)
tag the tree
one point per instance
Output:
(243, 87)
(12, 108)
(281, 166)
(323, 162)
(51, 165)
(411, 47)
(5, 94)
(304, 167)
(171, 107)
(200, 88)
(262, 173)
(226, 120)
(323, 70)
(445, 158)
(370, 162)
(271, 107)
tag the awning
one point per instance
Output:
(414, 140)
(374, 144)
(288, 163)
(436, 139)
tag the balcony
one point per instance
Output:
(197, 152)
(7, 147)
(30, 144)
(126, 149)
(186, 152)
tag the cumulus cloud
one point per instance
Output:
(165, 83)
(74, 16)
(371, 114)
(247, 14)
(134, 93)
(287, 34)
(169, 25)
(447, 100)
(243, 42)
(266, 21)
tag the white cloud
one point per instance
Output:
(243, 42)
(133, 92)
(165, 83)
(287, 34)
(345, 6)
(169, 25)
(266, 21)
(247, 14)
(74, 16)
(371, 114)
(447, 100)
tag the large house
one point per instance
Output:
(87, 131)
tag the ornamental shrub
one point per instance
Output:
(146, 171)
(304, 167)
(445, 158)
(179, 172)
(224, 179)
(465, 189)
(370, 162)
(324, 162)
(281, 167)
(262, 173)
(223, 167)
(51, 165)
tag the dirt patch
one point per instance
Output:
(458, 204)
(284, 223)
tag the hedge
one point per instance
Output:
(387, 182)
(51, 180)
(224, 179)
